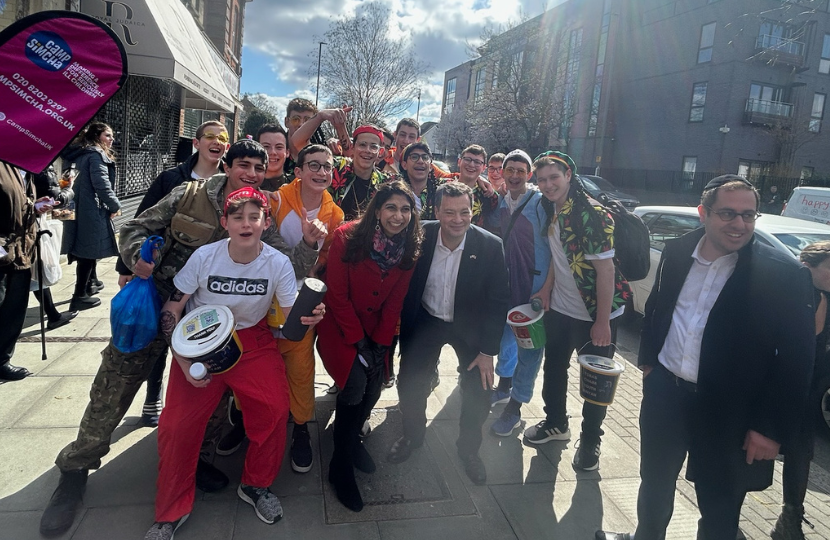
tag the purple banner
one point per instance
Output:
(57, 69)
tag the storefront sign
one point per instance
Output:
(57, 69)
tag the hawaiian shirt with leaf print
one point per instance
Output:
(350, 192)
(597, 236)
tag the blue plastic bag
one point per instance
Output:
(134, 312)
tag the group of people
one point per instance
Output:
(416, 256)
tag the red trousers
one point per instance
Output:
(258, 381)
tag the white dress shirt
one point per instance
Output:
(681, 351)
(439, 292)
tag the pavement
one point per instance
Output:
(532, 492)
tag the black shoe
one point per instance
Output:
(301, 455)
(62, 320)
(602, 535)
(80, 303)
(92, 290)
(209, 478)
(150, 414)
(60, 512)
(587, 455)
(363, 461)
(9, 372)
(401, 450)
(474, 468)
(231, 442)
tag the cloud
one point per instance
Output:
(285, 33)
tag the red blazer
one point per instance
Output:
(358, 302)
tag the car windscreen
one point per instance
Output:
(603, 184)
(589, 185)
(795, 242)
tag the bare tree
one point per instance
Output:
(522, 96)
(363, 66)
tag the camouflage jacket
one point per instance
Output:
(156, 220)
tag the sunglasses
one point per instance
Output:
(222, 137)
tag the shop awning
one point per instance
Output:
(163, 40)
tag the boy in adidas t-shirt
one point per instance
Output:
(214, 275)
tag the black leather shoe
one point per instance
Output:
(9, 372)
(401, 450)
(62, 320)
(60, 512)
(79, 303)
(209, 478)
(363, 461)
(474, 468)
(602, 535)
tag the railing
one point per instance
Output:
(769, 108)
(781, 44)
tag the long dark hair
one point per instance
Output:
(360, 236)
(89, 137)
(581, 205)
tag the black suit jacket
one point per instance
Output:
(481, 291)
(756, 354)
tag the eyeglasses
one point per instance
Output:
(476, 162)
(426, 158)
(315, 166)
(372, 147)
(510, 171)
(298, 120)
(729, 215)
(493, 168)
(221, 137)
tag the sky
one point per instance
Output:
(280, 41)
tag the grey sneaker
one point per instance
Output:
(266, 505)
(546, 431)
(587, 455)
(165, 530)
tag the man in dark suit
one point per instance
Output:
(726, 352)
(458, 295)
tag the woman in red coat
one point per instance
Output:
(369, 268)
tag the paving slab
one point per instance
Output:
(489, 521)
(78, 359)
(427, 485)
(17, 397)
(25, 525)
(115, 522)
(63, 406)
(622, 493)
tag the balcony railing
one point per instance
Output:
(760, 111)
(777, 49)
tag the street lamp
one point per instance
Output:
(418, 112)
(319, 56)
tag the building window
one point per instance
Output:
(707, 42)
(449, 100)
(571, 78)
(779, 37)
(593, 120)
(495, 68)
(698, 102)
(824, 63)
(689, 167)
(479, 87)
(752, 170)
(817, 113)
(807, 173)
(515, 70)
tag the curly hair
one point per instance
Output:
(360, 236)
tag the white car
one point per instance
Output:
(785, 234)
(788, 235)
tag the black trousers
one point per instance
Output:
(419, 357)
(83, 272)
(14, 298)
(667, 420)
(564, 335)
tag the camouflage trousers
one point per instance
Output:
(118, 380)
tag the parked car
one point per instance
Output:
(785, 234)
(810, 203)
(442, 165)
(596, 185)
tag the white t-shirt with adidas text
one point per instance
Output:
(212, 277)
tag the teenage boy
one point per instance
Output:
(211, 143)
(274, 139)
(257, 380)
(470, 167)
(305, 197)
(494, 173)
(199, 205)
(520, 220)
(301, 112)
(407, 132)
(418, 173)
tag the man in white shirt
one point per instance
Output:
(458, 296)
(726, 352)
